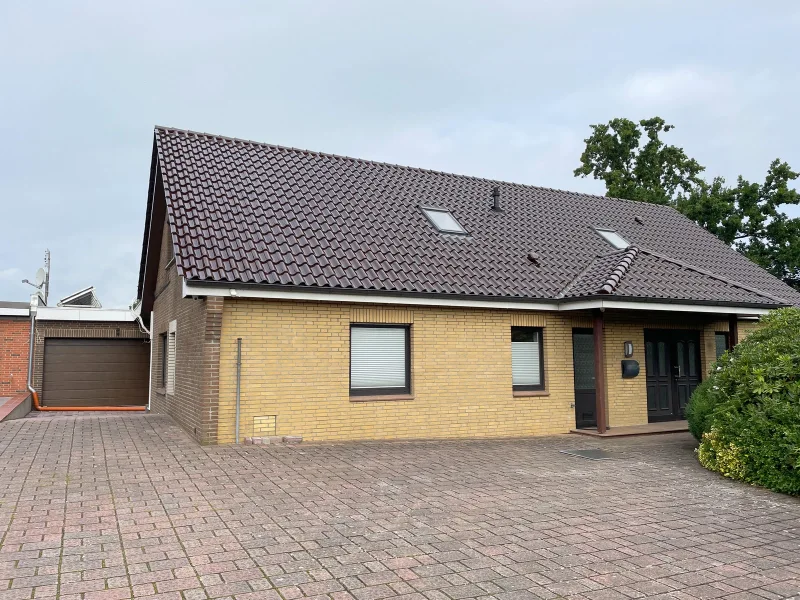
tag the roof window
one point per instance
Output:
(443, 220)
(613, 238)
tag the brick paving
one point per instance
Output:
(128, 506)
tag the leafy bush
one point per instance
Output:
(699, 409)
(747, 413)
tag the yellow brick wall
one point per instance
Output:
(295, 368)
(295, 371)
(627, 398)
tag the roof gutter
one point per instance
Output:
(240, 290)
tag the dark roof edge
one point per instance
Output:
(226, 138)
(147, 218)
(468, 297)
(657, 300)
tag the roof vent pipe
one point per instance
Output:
(496, 197)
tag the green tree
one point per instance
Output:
(748, 216)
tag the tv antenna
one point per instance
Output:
(42, 282)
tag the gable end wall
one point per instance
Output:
(198, 324)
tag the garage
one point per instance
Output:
(95, 372)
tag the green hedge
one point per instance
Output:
(747, 413)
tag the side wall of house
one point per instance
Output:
(295, 373)
(197, 327)
(14, 344)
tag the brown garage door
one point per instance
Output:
(108, 372)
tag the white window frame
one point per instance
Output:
(428, 212)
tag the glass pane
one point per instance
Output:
(681, 363)
(524, 334)
(692, 359)
(583, 357)
(721, 343)
(649, 365)
(444, 221)
(613, 238)
(662, 359)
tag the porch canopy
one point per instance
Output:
(637, 282)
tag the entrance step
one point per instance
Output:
(646, 429)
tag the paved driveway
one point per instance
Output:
(128, 506)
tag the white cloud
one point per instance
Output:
(9, 274)
(678, 87)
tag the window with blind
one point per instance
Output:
(172, 349)
(380, 360)
(527, 363)
(164, 353)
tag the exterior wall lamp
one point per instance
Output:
(628, 349)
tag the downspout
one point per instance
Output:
(238, 383)
(35, 396)
(150, 335)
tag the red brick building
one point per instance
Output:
(14, 340)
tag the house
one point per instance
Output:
(344, 299)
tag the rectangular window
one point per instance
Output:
(164, 352)
(171, 353)
(527, 362)
(380, 360)
(722, 342)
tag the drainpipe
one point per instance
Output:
(150, 385)
(238, 383)
(35, 396)
(32, 310)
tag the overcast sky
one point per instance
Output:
(505, 90)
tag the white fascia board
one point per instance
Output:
(190, 289)
(14, 312)
(663, 307)
(245, 292)
(65, 313)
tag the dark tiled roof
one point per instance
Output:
(634, 273)
(241, 211)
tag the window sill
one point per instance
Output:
(161, 390)
(531, 393)
(382, 398)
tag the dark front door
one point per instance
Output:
(583, 365)
(672, 364)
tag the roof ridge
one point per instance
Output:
(619, 272)
(730, 282)
(226, 138)
(583, 271)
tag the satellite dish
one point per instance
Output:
(40, 277)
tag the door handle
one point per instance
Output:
(677, 370)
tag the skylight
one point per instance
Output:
(613, 238)
(443, 220)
